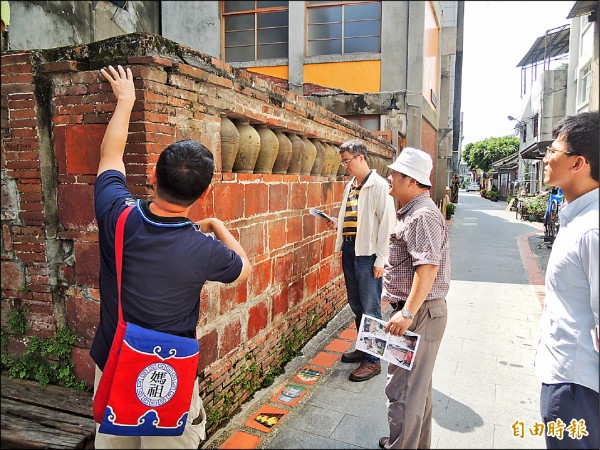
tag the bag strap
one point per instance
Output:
(119, 251)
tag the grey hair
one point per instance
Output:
(354, 147)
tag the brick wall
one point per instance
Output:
(55, 108)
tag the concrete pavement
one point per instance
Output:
(485, 391)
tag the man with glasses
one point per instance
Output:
(566, 355)
(364, 222)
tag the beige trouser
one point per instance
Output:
(409, 391)
(190, 438)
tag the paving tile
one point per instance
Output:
(289, 394)
(302, 440)
(308, 375)
(266, 418)
(338, 345)
(241, 440)
(349, 333)
(325, 359)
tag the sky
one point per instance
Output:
(497, 34)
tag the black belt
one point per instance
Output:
(399, 305)
(349, 238)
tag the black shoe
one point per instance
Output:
(353, 357)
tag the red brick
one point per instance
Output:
(260, 279)
(230, 338)
(13, 276)
(76, 206)
(298, 197)
(82, 315)
(296, 292)
(255, 199)
(228, 200)
(324, 275)
(87, 263)
(208, 349)
(84, 366)
(59, 66)
(82, 148)
(282, 267)
(280, 303)
(310, 284)
(150, 60)
(276, 234)
(294, 229)
(257, 319)
(278, 197)
(252, 239)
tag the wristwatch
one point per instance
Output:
(406, 313)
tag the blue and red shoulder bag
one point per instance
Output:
(147, 383)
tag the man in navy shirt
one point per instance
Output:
(166, 258)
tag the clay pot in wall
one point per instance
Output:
(230, 143)
(317, 168)
(328, 160)
(298, 149)
(341, 169)
(337, 159)
(249, 147)
(284, 156)
(269, 148)
(308, 157)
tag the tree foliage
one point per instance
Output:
(482, 154)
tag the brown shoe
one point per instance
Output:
(382, 441)
(353, 357)
(365, 371)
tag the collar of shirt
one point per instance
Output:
(412, 202)
(578, 205)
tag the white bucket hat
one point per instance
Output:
(414, 163)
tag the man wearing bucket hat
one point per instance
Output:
(416, 280)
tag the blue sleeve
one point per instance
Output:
(225, 265)
(110, 189)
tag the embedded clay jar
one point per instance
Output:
(284, 156)
(269, 147)
(341, 169)
(298, 149)
(317, 168)
(249, 147)
(328, 160)
(230, 143)
(308, 157)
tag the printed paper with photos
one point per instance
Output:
(398, 350)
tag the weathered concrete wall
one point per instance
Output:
(55, 108)
(62, 23)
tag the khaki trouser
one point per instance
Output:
(409, 392)
(190, 438)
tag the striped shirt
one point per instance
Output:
(419, 237)
(351, 215)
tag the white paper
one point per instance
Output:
(318, 213)
(398, 350)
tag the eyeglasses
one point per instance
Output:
(551, 150)
(345, 162)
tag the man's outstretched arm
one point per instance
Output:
(115, 137)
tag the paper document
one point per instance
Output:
(318, 213)
(398, 350)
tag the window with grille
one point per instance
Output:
(343, 27)
(255, 30)
(368, 122)
(585, 82)
(535, 125)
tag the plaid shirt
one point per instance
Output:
(419, 237)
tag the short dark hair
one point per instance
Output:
(354, 147)
(183, 172)
(580, 132)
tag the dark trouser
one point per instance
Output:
(577, 407)
(364, 290)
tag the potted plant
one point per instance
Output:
(535, 207)
(450, 207)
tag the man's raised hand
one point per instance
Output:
(121, 82)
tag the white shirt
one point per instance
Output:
(375, 219)
(565, 351)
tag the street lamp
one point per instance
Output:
(393, 120)
(521, 125)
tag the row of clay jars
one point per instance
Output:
(245, 149)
